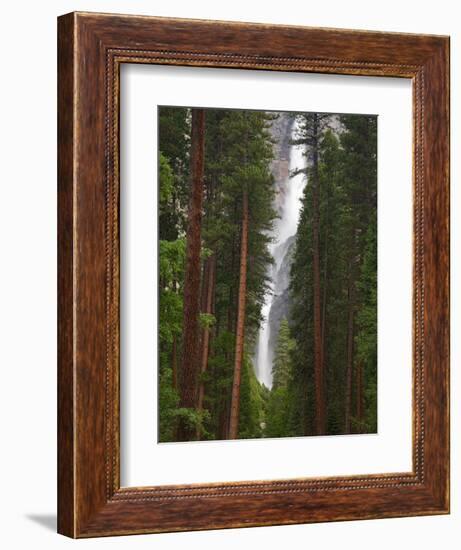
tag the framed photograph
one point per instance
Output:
(253, 259)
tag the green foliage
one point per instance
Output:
(171, 261)
(171, 274)
(219, 382)
(194, 419)
(281, 370)
(168, 400)
(207, 320)
(366, 342)
(252, 404)
(166, 181)
(280, 399)
(278, 413)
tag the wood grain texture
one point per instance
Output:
(91, 49)
(66, 464)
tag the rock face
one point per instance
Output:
(281, 131)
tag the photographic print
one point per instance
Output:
(267, 226)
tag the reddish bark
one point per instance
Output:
(206, 333)
(230, 307)
(191, 343)
(204, 286)
(325, 280)
(239, 340)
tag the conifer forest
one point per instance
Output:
(267, 274)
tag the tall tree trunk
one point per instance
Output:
(327, 379)
(350, 351)
(230, 307)
(174, 348)
(319, 375)
(191, 342)
(206, 333)
(203, 297)
(325, 278)
(239, 339)
(230, 326)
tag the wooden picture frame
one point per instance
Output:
(91, 49)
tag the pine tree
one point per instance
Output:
(310, 130)
(255, 186)
(360, 184)
(239, 336)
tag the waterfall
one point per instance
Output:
(289, 194)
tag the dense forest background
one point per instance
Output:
(219, 202)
